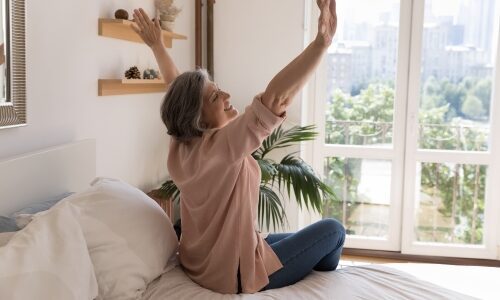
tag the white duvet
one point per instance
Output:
(393, 281)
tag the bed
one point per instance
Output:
(72, 168)
(389, 281)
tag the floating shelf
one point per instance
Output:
(122, 29)
(108, 87)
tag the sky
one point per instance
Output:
(444, 7)
(368, 10)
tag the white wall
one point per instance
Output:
(65, 57)
(253, 41)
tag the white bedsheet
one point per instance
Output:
(391, 281)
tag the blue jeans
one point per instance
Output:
(316, 247)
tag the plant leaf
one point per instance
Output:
(267, 169)
(280, 138)
(271, 210)
(170, 190)
(308, 188)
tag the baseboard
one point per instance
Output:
(422, 258)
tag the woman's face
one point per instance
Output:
(217, 110)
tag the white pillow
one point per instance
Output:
(23, 219)
(48, 260)
(5, 237)
(129, 237)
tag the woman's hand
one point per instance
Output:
(149, 31)
(327, 23)
(289, 81)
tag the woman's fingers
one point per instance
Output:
(138, 19)
(141, 19)
(140, 26)
(145, 17)
(157, 22)
(148, 30)
(327, 23)
(136, 29)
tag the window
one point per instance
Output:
(408, 140)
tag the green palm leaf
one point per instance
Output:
(308, 188)
(270, 210)
(267, 169)
(280, 138)
(170, 191)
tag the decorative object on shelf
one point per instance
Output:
(168, 13)
(149, 74)
(133, 73)
(121, 14)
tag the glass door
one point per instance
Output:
(450, 208)
(360, 104)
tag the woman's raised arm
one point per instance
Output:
(289, 81)
(151, 34)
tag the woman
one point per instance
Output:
(210, 162)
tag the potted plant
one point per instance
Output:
(291, 173)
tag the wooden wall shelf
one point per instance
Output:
(108, 87)
(122, 29)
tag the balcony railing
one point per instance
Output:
(462, 137)
(457, 190)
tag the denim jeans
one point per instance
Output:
(316, 247)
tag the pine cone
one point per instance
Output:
(133, 73)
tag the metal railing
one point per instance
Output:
(462, 137)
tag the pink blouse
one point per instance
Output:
(219, 184)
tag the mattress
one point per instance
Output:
(388, 281)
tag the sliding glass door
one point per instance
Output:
(404, 104)
(450, 207)
(360, 93)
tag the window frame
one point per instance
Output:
(404, 153)
(415, 155)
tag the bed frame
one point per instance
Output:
(37, 176)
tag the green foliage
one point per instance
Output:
(460, 188)
(342, 176)
(359, 120)
(443, 107)
(290, 174)
(473, 108)
(482, 90)
(281, 138)
(439, 93)
(375, 103)
(270, 209)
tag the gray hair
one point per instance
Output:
(181, 108)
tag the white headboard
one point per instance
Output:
(37, 176)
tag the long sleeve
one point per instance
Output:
(245, 134)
